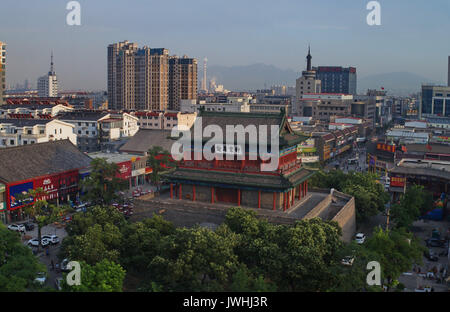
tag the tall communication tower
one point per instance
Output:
(204, 75)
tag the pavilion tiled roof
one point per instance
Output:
(212, 177)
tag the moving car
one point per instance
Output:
(16, 227)
(35, 242)
(41, 278)
(53, 239)
(360, 238)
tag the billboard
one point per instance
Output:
(49, 185)
(15, 192)
(124, 171)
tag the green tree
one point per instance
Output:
(102, 184)
(415, 202)
(395, 250)
(104, 276)
(97, 244)
(195, 259)
(41, 211)
(157, 159)
(18, 266)
(295, 258)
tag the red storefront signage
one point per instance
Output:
(124, 170)
(50, 185)
(386, 147)
(398, 182)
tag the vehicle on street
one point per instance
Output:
(360, 238)
(16, 227)
(58, 283)
(28, 226)
(434, 242)
(64, 266)
(35, 242)
(52, 239)
(348, 261)
(423, 289)
(430, 255)
(41, 278)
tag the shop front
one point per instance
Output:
(2, 204)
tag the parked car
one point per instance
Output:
(430, 255)
(41, 278)
(16, 227)
(360, 238)
(52, 239)
(434, 242)
(35, 242)
(58, 283)
(64, 264)
(28, 226)
(348, 261)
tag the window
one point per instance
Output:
(41, 131)
(28, 131)
(11, 142)
(79, 131)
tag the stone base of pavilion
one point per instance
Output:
(322, 203)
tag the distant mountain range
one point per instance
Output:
(259, 76)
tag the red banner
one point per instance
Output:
(397, 182)
(386, 147)
(124, 170)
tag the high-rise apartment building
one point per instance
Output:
(336, 79)
(2, 72)
(182, 80)
(48, 85)
(307, 83)
(143, 79)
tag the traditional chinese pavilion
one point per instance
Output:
(242, 182)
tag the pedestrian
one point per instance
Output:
(53, 265)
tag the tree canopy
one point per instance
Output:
(102, 184)
(18, 265)
(370, 196)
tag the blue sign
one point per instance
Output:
(17, 190)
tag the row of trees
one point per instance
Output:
(243, 254)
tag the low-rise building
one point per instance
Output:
(53, 166)
(16, 132)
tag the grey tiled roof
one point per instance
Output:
(34, 160)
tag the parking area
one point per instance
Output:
(49, 254)
(430, 274)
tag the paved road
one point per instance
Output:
(411, 279)
(53, 250)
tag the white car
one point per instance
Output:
(35, 242)
(16, 227)
(53, 239)
(360, 238)
(41, 278)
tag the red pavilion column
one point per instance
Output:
(171, 190)
(284, 201)
(274, 200)
(193, 193)
(293, 197)
(259, 198)
(299, 193)
(212, 195)
(306, 186)
(179, 192)
(239, 197)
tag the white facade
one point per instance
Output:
(35, 112)
(130, 125)
(349, 120)
(47, 86)
(14, 135)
